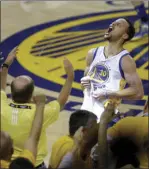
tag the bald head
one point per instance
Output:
(6, 146)
(22, 89)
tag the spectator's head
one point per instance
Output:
(146, 107)
(22, 89)
(125, 150)
(6, 146)
(21, 163)
(80, 118)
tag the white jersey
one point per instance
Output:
(105, 74)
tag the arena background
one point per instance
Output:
(48, 31)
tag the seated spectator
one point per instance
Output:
(134, 129)
(133, 142)
(79, 157)
(65, 144)
(27, 158)
(17, 116)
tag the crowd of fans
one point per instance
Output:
(25, 118)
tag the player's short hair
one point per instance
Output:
(131, 30)
(21, 163)
(22, 95)
(80, 118)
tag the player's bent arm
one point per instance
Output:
(33, 139)
(135, 89)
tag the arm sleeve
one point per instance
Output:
(28, 155)
(124, 127)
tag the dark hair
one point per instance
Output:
(78, 119)
(125, 150)
(21, 163)
(131, 30)
(22, 95)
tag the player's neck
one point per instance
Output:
(113, 49)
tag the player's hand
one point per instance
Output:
(68, 69)
(85, 82)
(11, 56)
(39, 99)
(109, 112)
(102, 94)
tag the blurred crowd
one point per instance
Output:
(25, 118)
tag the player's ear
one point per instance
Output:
(125, 36)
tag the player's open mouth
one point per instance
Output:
(109, 30)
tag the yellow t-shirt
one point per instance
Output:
(16, 119)
(4, 164)
(135, 128)
(28, 155)
(25, 154)
(59, 149)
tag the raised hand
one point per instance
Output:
(85, 82)
(68, 69)
(39, 99)
(11, 56)
(109, 112)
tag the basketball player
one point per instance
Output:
(17, 116)
(109, 68)
(143, 17)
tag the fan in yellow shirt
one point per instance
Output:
(17, 115)
(66, 143)
(28, 156)
(136, 129)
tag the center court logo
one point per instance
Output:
(43, 47)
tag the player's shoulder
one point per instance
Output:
(93, 50)
(128, 62)
(91, 53)
(127, 57)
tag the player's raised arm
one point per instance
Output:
(135, 89)
(10, 58)
(33, 139)
(65, 91)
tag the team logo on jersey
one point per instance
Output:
(99, 73)
(43, 47)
